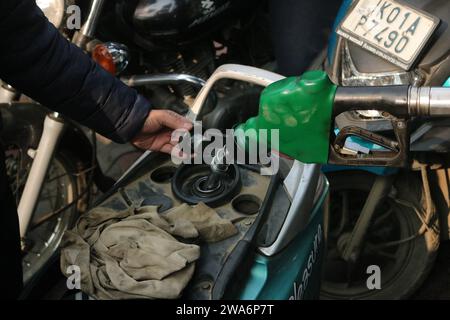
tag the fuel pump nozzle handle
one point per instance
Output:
(303, 110)
(398, 101)
(399, 104)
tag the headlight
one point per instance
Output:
(54, 10)
(352, 77)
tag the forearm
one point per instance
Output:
(37, 60)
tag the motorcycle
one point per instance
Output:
(385, 216)
(51, 161)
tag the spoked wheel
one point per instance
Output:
(392, 243)
(58, 204)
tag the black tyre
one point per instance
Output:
(404, 266)
(63, 190)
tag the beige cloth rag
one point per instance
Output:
(133, 253)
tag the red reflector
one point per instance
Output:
(101, 55)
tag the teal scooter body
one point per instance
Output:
(295, 273)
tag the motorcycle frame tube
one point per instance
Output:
(380, 190)
(88, 29)
(166, 79)
(52, 132)
(91, 21)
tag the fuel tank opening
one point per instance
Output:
(191, 184)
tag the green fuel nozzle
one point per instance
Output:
(300, 108)
(303, 110)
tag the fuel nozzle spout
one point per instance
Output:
(219, 168)
(429, 101)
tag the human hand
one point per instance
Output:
(156, 134)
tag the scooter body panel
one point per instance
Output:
(295, 272)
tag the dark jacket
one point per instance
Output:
(38, 61)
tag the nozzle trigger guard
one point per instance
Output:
(395, 153)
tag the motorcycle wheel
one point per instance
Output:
(63, 187)
(403, 266)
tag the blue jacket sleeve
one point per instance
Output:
(37, 60)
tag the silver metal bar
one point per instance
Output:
(419, 101)
(170, 78)
(87, 31)
(379, 191)
(53, 127)
(90, 24)
(439, 102)
(429, 101)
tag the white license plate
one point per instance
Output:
(390, 29)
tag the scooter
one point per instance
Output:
(380, 204)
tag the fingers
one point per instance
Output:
(158, 133)
(172, 120)
(167, 148)
(174, 151)
(160, 140)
